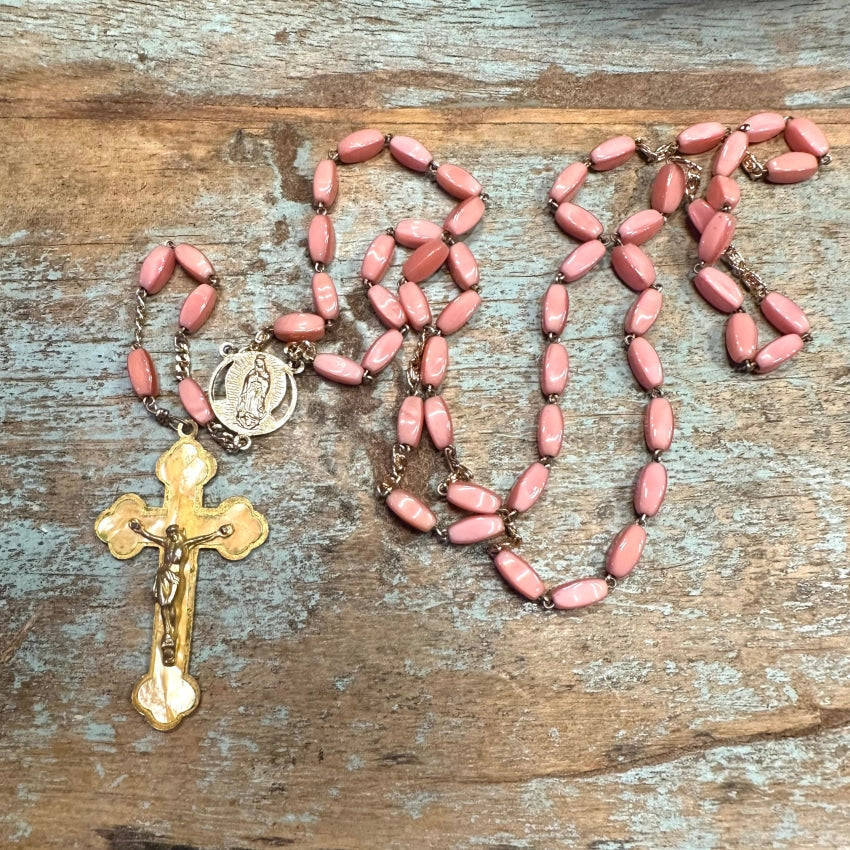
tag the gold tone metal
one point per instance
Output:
(179, 529)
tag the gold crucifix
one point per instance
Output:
(179, 528)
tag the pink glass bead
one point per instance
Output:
(645, 364)
(386, 306)
(742, 337)
(438, 421)
(625, 550)
(716, 237)
(325, 183)
(550, 430)
(473, 498)
(413, 232)
(528, 488)
(700, 213)
(458, 312)
(474, 529)
(699, 138)
(568, 182)
(379, 256)
(435, 361)
(337, 368)
(464, 216)
(198, 307)
(658, 424)
(555, 369)
(579, 594)
(650, 489)
(294, 327)
(804, 135)
(411, 510)
(321, 239)
(518, 574)
(143, 377)
(193, 262)
(719, 289)
(195, 401)
(415, 305)
(791, 167)
(668, 188)
(643, 312)
(411, 420)
(640, 227)
(723, 192)
(633, 266)
(425, 260)
(325, 298)
(775, 353)
(382, 351)
(784, 314)
(731, 152)
(764, 126)
(360, 146)
(157, 269)
(612, 152)
(462, 266)
(410, 153)
(556, 308)
(578, 222)
(456, 182)
(582, 259)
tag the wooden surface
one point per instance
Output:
(363, 687)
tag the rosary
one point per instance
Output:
(253, 390)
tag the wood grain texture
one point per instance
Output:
(365, 688)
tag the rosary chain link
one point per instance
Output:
(750, 279)
(182, 355)
(229, 440)
(141, 315)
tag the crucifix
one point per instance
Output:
(179, 529)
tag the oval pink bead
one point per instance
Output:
(528, 488)
(456, 182)
(633, 266)
(731, 152)
(700, 213)
(555, 369)
(143, 377)
(668, 189)
(425, 260)
(723, 192)
(438, 421)
(415, 305)
(473, 498)
(650, 489)
(411, 510)
(382, 351)
(775, 353)
(640, 227)
(577, 222)
(719, 289)
(804, 135)
(643, 312)
(157, 269)
(568, 182)
(360, 146)
(321, 239)
(550, 430)
(413, 232)
(379, 256)
(458, 312)
(716, 237)
(645, 364)
(612, 152)
(325, 183)
(518, 574)
(337, 368)
(435, 361)
(474, 529)
(294, 327)
(742, 337)
(784, 314)
(386, 306)
(625, 551)
(198, 307)
(658, 424)
(791, 167)
(325, 298)
(699, 138)
(556, 308)
(764, 126)
(462, 266)
(410, 153)
(195, 401)
(579, 594)
(582, 259)
(464, 216)
(193, 262)
(410, 422)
